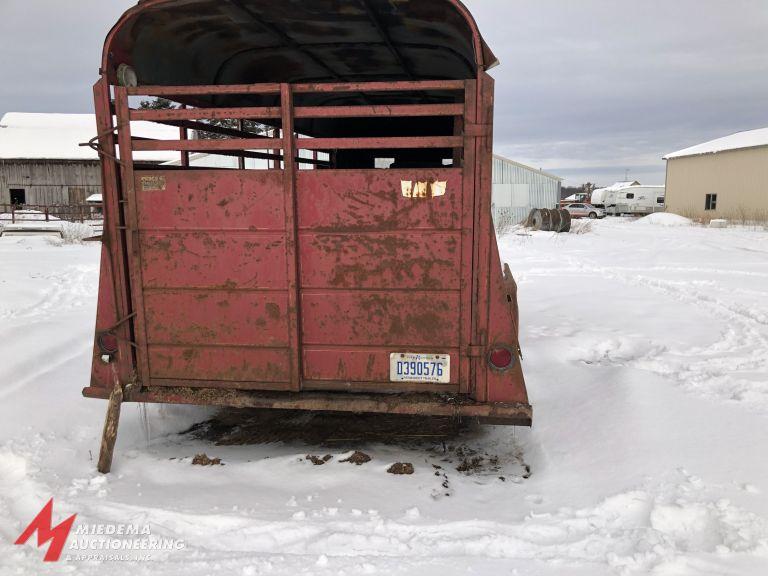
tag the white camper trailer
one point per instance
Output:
(606, 197)
(629, 198)
(639, 200)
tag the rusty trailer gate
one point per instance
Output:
(319, 282)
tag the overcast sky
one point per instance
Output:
(587, 89)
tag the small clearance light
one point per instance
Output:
(501, 358)
(126, 76)
(107, 342)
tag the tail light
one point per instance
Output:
(107, 343)
(501, 358)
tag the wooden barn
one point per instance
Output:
(43, 164)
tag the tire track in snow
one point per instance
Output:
(719, 370)
(68, 289)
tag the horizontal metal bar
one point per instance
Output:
(405, 86)
(234, 394)
(204, 90)
(212, 128)
(382, 143)
(374, 111)
(209, 145)
(250, 113)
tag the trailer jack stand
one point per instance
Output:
(109, 435)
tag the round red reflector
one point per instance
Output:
(501, 358)
(107, 343)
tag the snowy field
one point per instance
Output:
(646, 357)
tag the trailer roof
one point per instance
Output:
(197, 42)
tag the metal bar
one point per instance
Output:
(240, 157)
(212, 128)
(208, 145)
(401, 86)
(468, 366)
(416, 404)
(184, 136)
(383, 143)
(374, 111)
(250, 113)
(132, 238)
(204, 90)
(483, 185)
(112, 235)
(291, 236)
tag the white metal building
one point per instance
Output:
(518, 188)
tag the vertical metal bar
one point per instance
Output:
(276, 133)
(468, 295)
(132, 237)
(184, 135)
(112, 236)
(241, 158)
(291, 234)
(484, 229)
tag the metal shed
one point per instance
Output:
(517, 189)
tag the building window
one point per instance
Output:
(18, 196)
(711, 203)
(630, 195)
(660, 200)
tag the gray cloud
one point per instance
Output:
(586, 89)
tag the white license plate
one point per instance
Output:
(409, 367)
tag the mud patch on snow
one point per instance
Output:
(233, 427)
(204, 460)
(401, 468)
(358, 458)
(317, 461)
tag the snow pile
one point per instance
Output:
(648, 380)
(666, 219)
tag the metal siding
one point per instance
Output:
(544, 190)
(738, 177)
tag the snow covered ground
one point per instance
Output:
(646, 360)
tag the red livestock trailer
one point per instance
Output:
(342, 256)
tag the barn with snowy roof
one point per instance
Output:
(43, 164)
(722, 178)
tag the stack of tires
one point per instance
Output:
(549, 220)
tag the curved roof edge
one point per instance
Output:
(114, 53)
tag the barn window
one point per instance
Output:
(660, 200)
(18, 196)
(711, 203)
(630, 195)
